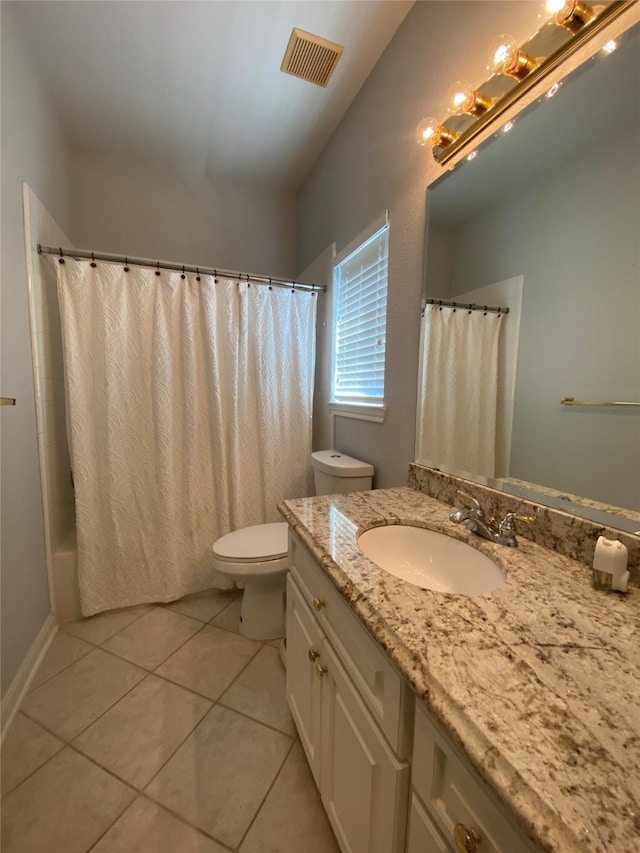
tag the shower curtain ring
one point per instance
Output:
(270, 285)
(93, 261)
(197, 273)
(126, 264)
(60, 259)
(183, 276)
(215, 276)
(157, 267)
(293, 288)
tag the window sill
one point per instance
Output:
(359, 411)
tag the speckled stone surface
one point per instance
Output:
(538, 682)
(563, 532)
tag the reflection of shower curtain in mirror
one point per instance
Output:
(459, 376)
(190, 411)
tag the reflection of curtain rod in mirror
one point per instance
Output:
(523, 67)
(471, 306)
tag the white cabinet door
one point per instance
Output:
(423, 835)
(304, 641)
(364, 786)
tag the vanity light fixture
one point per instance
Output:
(430, 132)
(505, 57)
(472, 108)
(463, 98)
(573, 15)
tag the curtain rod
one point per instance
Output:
(183, 268)
(472, 306)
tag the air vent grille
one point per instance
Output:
(310, 57)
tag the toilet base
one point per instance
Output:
(263, 609)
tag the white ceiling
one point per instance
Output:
(199, 83)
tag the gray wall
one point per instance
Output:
(372, 163)
(33, 150)
(573, 234)
(153, 210)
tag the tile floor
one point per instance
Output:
(159, 730)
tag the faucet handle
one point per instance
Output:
(506, 525)
(469, 501)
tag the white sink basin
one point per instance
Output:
(430, 560)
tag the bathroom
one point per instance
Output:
(102, 198)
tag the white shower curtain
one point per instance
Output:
(189, 406)
(459, 376)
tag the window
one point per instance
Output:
(360, 282)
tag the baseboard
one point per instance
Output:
(20, 684)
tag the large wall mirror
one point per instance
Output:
(546, 219)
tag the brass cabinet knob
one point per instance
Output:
(466, 839)
(318, 603)
(313, 655)
(320, 670)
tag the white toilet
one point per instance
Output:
(257, 556)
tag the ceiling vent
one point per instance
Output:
(310, 57)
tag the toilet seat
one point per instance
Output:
(261, 543)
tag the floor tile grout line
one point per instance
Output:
(192, 732)
(68, 741)
(164, 660)
(35, 770)
(47, 680)
(206, 621)
(214, 703)
(185, 820)
(147, 676)
(266, 796)
(230, 683)
(255, 720)
(119, 609)
(141, 795)
(144, 792)
(71, 744)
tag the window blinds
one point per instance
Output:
(361, 312)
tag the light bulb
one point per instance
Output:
(430, 132)
(610, 46)
(505, 57)
(571, 14)
(463, 98)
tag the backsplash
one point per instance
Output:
(567, 534)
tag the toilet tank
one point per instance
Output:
(335, 472)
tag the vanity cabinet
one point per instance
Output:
(353, 712)
(390, 779)
(452, 809)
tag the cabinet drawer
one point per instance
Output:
(453, 793)
(386, 695)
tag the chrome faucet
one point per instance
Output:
(477, 522)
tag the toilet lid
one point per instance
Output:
(258, 543)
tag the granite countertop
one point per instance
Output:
(538, 682)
